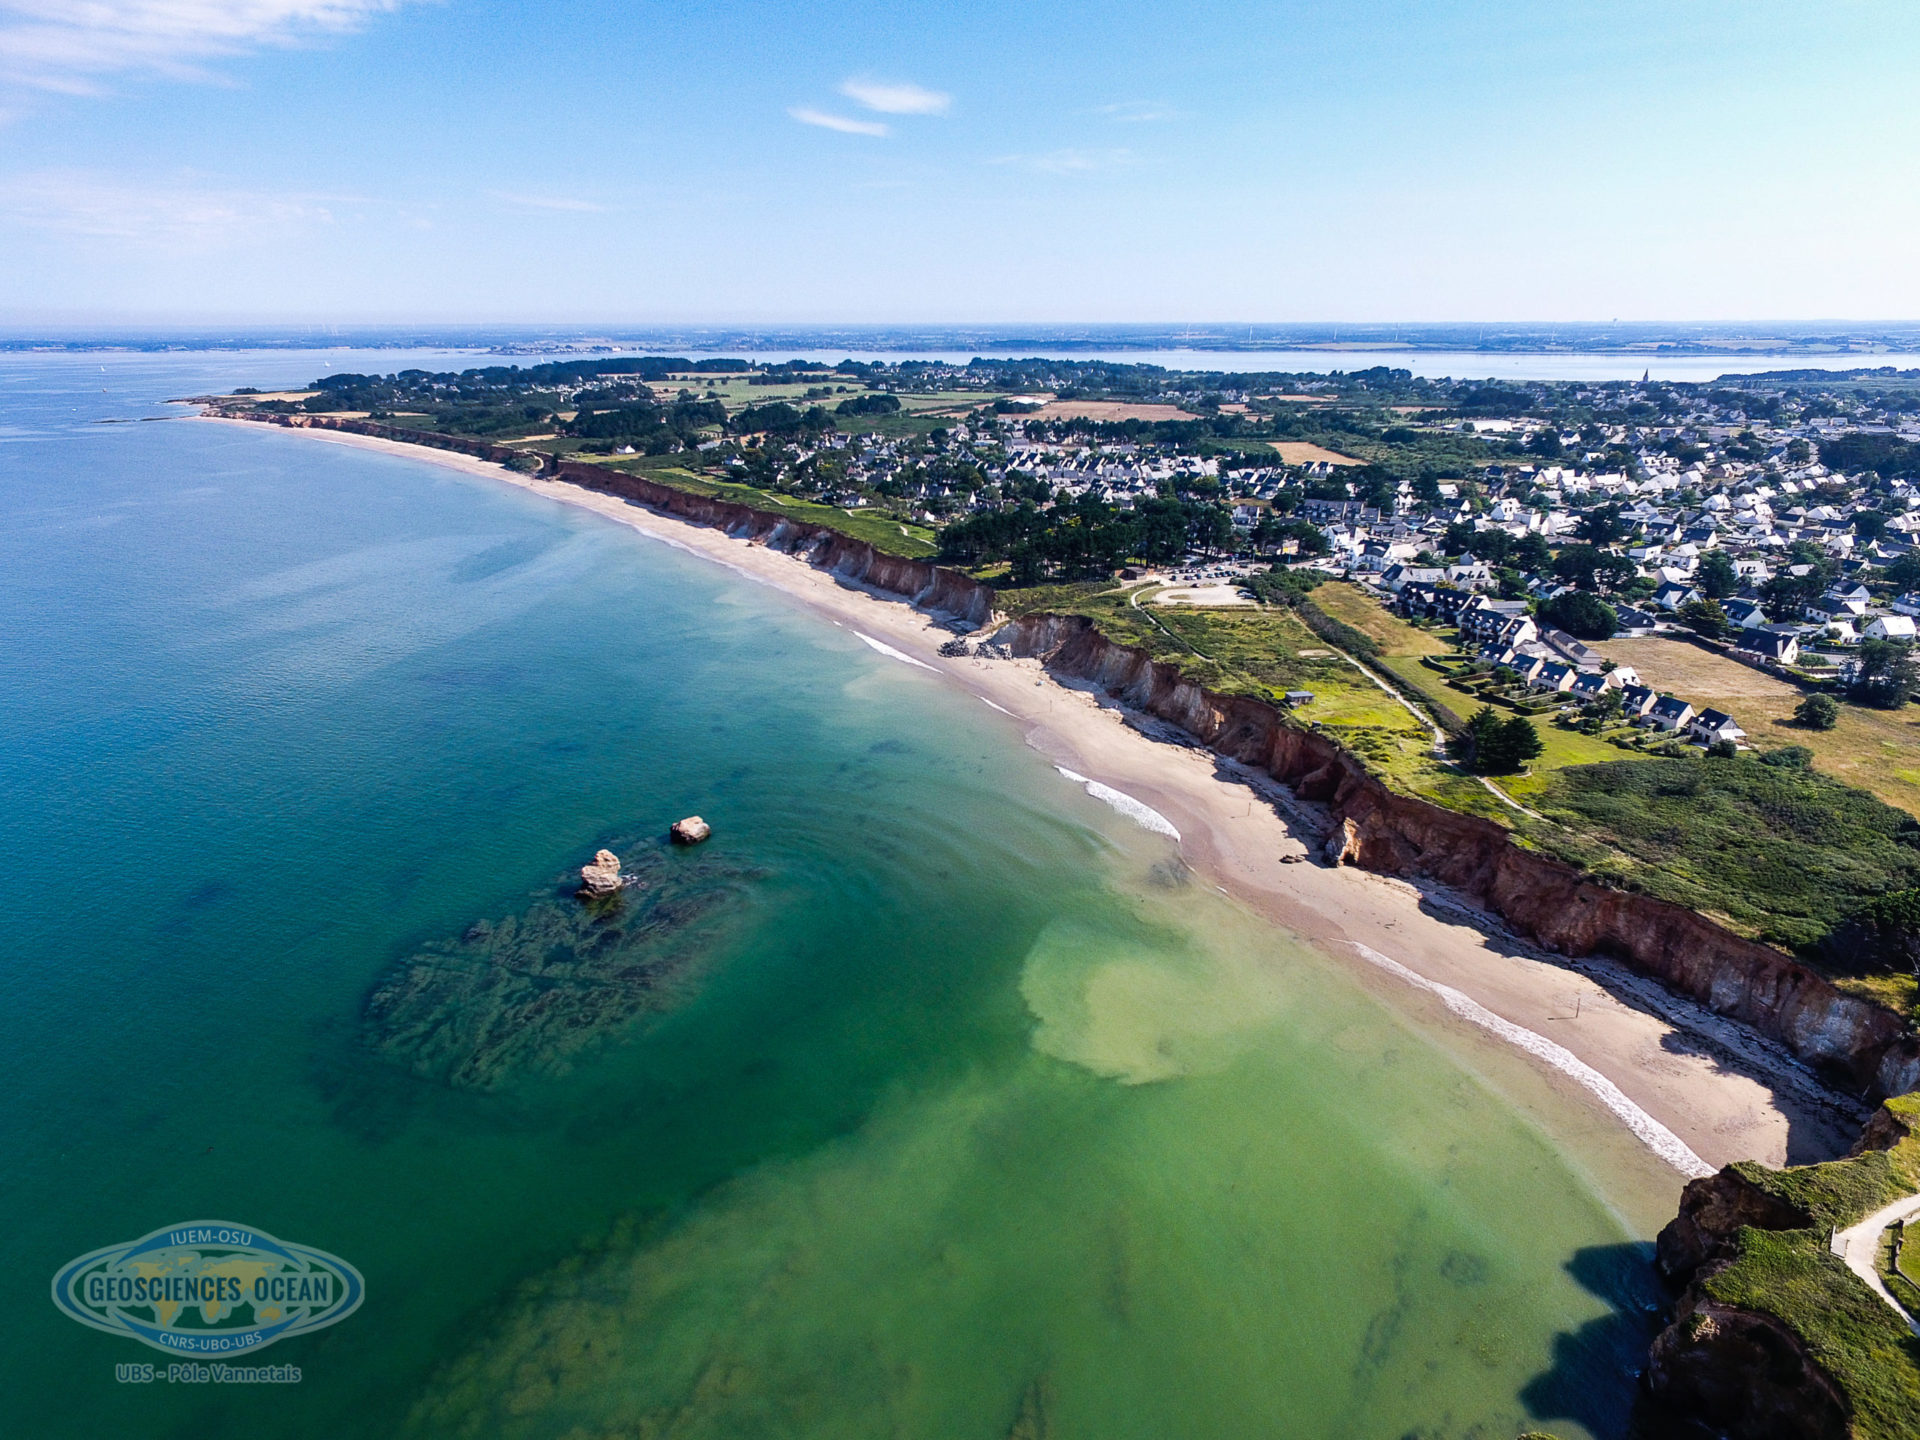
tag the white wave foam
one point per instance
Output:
(1145, 816)
(1655, 1136)
(889, 651)
(1001, 708)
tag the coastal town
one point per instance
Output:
(1017, 723)
(1771, 518)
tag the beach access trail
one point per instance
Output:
(1723, 1093)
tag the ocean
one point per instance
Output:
(931, 1097)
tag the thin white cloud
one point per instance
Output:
(546, 202)
(896, 99)
(1068, 162)
(1136, 112)
(66, 47)
(190, 213)
(845, 124)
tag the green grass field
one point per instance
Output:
(881, 530)
(1790, 1274)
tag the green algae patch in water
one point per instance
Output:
(960, 1112)
(528, 993)
(1215, 1196)
(1147, 1008)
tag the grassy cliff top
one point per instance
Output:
(1793, 1276)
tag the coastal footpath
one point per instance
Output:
(1820, 1322)
(1859, 1046)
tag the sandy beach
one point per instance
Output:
(1690, 1090)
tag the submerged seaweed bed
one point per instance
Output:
(527, 993)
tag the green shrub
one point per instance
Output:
(1786, 851)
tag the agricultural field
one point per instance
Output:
(918, 414)
(1301, 452)
(1109, 410)
(1878, 750)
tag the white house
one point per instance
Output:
(1710, 727)
(1672, 596)
(1778, 643)
(1889, 627)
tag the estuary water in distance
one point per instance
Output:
(948, 1104)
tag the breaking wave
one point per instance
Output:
(1657, 1138)
(1145, 816)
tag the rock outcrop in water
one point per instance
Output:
(1867, 1047)
(601, 876)
(1746, 1375)
(527, 993)
(690, 831)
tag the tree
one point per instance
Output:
(1716, 576)
(1601, 525)
(1593, 569)
(1478, 739)
(1904, 573)
(1788, 594)
(1212, 528)
(1489, 745)
(1459, 538)
(1885, 674)
(1818, 712)
(1530, 552)
(1869, 524)
(1519, 743)
(1602, 712)
(1705, 617)
(1308, 538)
(1581, 614)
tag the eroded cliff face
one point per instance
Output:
(1745, 1374)
(929, 586)
(1861, 1045)
(1712, 1210)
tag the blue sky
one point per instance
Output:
(631, 160)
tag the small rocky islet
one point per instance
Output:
(527, 993)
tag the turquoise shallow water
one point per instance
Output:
(948, 1103)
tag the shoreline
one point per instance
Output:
(1653, 1064)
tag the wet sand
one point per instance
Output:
(1652, 1066)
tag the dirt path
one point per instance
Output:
(1859, 1246)
(1723, 1091)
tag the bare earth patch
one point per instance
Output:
(1109, 410)
(1212, 597)
(1301, 452)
